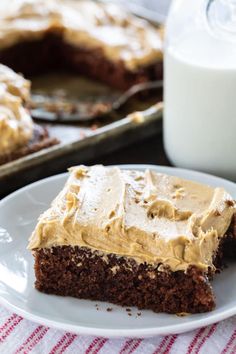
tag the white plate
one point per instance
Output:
(18, 215)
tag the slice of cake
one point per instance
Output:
(94, 39)
(19, 136)
(132, 238)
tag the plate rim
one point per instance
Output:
(117, 333)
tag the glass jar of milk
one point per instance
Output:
(200, 86)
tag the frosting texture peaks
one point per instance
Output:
(14, 83)
(151, 217)
(16, 126)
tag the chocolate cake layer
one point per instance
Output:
(81, 273)
(92, 63)
(229, 245)
(40, 140)
(33, 57)
(51, 53)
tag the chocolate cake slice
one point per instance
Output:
(19, 135)
(39, 141)
(133, 238)
(97, 40)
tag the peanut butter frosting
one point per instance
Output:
(87, 24)
(16, 126)
(15, 84)
(146, 216)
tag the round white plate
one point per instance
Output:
(18, 216)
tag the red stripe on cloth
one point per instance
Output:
(163, 342)
(100, 345)
(229, 343)
(206, 337)
(135, 346)
(11, 328)
(29, 339)
(59, 343)
(8, 321)
(36, 341)
(92, 345)
(68, 343)
(233, 351)
(127, 345)
(170, 344)
(195, 339)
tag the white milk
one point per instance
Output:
(200, 103)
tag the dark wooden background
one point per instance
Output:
(148, 151)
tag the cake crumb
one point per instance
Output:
(109, 309)
(139, 314)
(129, 314)
(136, 117)
(151, 275)
(115, 269)
(182, 314)
(230, 203)
(128, 310)
(94, 127)
(217, 213)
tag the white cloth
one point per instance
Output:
(20, 336)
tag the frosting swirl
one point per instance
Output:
(151, 217)
(16, 126)
(121, 37)
(15, 84)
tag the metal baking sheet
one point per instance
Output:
(79, 144)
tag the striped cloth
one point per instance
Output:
(20, 336)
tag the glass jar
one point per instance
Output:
(200, 86)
